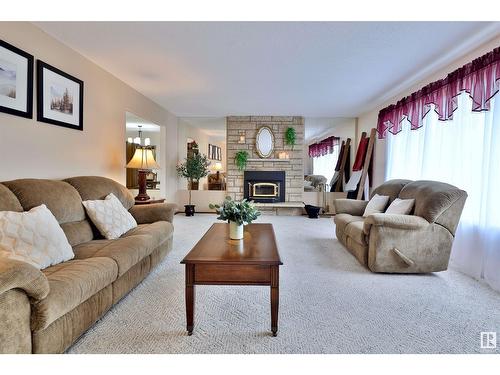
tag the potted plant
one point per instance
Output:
(238, 213)
(290, 137)
(193, 168)
(241, 159)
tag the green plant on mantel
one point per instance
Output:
(290, 137)
(241, 212)
(241, 159)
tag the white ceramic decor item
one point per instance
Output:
(235, 231)
(264, 142)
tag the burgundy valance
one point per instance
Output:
(323, 147)
(480, 79)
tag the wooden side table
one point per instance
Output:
(150, 201)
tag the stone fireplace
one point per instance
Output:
(241, 134)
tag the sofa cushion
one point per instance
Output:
(71, 283)
(392, 188)
(60, 197)
(126, 252)
(8, 201)
(34, 237)
(160, 231)
(109, 216)
(95, 187)
(355, 231)
(432, 198)
(341, 220)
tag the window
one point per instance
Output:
(464, 152)
(325, 165)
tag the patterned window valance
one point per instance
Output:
(323, 147)
(480, 79)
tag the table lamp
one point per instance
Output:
(217, 167)
(144, 161)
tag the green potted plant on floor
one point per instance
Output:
(238, 213)
(193, 168)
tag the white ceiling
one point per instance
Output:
(318, 69)
(134, 122)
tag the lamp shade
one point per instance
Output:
(143, 159)
(217, 167)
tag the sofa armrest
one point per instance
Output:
(151, 213)
(15, 274)
(350, 206)
(394, 221)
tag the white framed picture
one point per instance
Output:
(16, 81)
(59, 96)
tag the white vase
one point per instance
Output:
(235, 231)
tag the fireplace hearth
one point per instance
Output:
(264, 186)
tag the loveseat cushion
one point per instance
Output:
(342, 220)
(8, 201)
(355, 231)
(126, 252)
(71, 283)
(432, 198)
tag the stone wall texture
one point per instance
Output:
(249, 126)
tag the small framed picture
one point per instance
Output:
(214, 152)
(16, 81)
(59, 96)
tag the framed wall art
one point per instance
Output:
(214, 152)
(16, 81)
(59, 97)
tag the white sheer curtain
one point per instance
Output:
(464, 152)
(325, 165)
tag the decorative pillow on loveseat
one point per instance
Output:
(109, 216)
(400, 206)
(34, 237)
(376, 205)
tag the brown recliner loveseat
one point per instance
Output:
(46, 311)
(416, 243)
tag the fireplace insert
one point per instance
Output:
(264, 186)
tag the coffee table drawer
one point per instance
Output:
(228, 273)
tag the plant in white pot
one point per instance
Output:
(238, 213)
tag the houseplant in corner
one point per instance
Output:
(238, 213)
(193, 168)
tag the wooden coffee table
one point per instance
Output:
(217, 260)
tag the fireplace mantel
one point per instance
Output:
(268, 159)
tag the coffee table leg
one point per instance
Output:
(274, 299)
(190, 292)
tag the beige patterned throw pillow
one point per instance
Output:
(109, 216)
(401, 206)
(34, 237)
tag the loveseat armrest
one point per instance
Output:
(350, 206)
(394, 221)
(151, 213)
(16, 274)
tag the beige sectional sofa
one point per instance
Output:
(46, 311)
(391, 243)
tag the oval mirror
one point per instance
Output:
(264, 142)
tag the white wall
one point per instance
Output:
(368, 120)
(34, 149)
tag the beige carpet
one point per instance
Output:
(329, 304)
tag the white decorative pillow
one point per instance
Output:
(109, 216)
(376, 205)
(34, 237)
(307, 183)
(400, 206)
